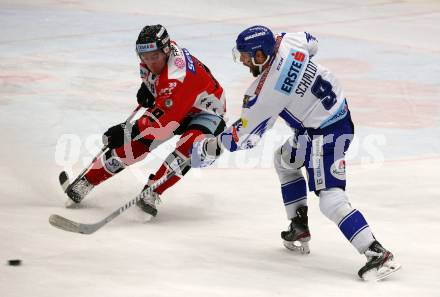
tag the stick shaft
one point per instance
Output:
(103, 149)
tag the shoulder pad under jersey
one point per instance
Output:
(177, 63)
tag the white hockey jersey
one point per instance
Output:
(303, 93)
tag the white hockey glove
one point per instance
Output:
(205, 152)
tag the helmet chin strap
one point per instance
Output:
(260, 66)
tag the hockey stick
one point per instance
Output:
(64, 177)
(68, 225)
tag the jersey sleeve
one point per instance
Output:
(311, 44)
(259, 113)
(304, 41)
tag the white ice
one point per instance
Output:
(68, 70)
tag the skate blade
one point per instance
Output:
(300, 247)
(383, 272)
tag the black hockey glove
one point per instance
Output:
(144, 97)
(115, 136)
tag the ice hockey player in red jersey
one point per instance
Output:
(182, 97)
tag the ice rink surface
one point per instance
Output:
(68, 71)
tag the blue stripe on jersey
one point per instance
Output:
(228, 141)
(294, 191)
(352, 224)
(290, 119)
(229, 137)
(248, 102)
(310, 37)
(261, 128)
(339, 114)
(189, 61)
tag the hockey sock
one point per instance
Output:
(294, 195)
(182, 153)
(335, 206)
(114, 161)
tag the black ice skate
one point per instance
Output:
(296, 238)
(380, 263)
(147, 204)
(77, 191)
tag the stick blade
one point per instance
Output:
(71, 226)
(64, 224)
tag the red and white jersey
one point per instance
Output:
(185, 88)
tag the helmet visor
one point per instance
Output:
(236, 55)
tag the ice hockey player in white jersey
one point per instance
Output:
(310, 100)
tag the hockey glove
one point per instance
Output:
(115, 136)
(144, 97)
(205, 152)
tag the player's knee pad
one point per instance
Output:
(283, 155)
(112, 163)
(176, 161)
(287, 168)
(334, 204)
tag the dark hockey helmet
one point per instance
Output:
(153, 38)
(255, 38)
